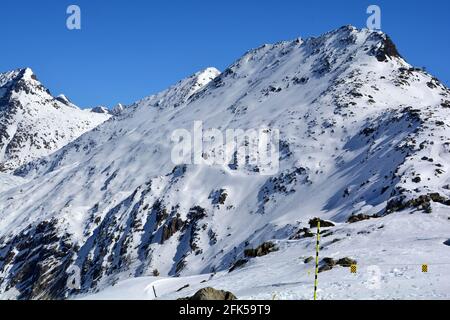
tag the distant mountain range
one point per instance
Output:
(33, 123)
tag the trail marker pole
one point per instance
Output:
(317, 259)
(154, 291)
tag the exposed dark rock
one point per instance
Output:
(416, 179)
(387, 50)
(326, 264)
(368, 131)
(98, 109)
(160, 212)
(302, 233)
(196, 213)
(345, 262)
(238, 264)
(436, 197)
(262, 250)
(284, 183)
(193, 227)
(38, 262)
(171, 228)
(218, 196)
(423, 202)
(211, 294)
(301, 80)
(212, 237)
(358, 217)
(178, 171)
(323, 224)
(285, 150)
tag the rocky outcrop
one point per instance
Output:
(238, 264)
(174, 225)
(37, 259)
(327, 264)
(33, 123)
(209, 293)
(358, 218)
(261, 250)
(301, 234)
(423, 202)
(388, 50)
(323, 224)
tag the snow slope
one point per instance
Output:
(33, 123)
(391, 269)
(362, 132)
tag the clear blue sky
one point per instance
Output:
(129, 49)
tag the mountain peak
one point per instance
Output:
(183, 90)
(100, 109)
(386, 47)
(205, 76)
(27, 74)
(8, 78)
(19, 74)
(33, 123)
(117, 109)
(210, 71)
(21, 80)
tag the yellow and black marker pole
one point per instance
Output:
(317, 259)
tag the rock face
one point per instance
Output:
(33, 123)
(302, 233)
(355, 123)
(212, 294)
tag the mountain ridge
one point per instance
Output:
(33, 123)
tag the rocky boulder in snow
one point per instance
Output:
(356, 124)
(212, 294)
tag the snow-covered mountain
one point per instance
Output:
(33, 123)
(364, 143)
